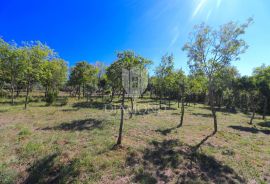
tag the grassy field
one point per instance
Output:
(73, 144)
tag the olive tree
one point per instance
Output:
(262, 76)
(53, 76)
(34, 54)
(11, 65)
(210, 50)
(164, 76)
(125, 60)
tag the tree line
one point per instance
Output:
(31, 63)
(211, 80)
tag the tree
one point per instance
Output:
(196, 86)
(262, 76)
(164, 73)
(182, 86)
(83, 75)
(125, 60)
(102, 78)
(249, 86)
(224, 79)
(34, 54)
(11, 64)
(113, 73)
(53, 76)
(210, 50)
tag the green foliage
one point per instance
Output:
(53, 75)
(83, 75)
(24, 131)
(51, 98)
(125, 60)
(164, 75)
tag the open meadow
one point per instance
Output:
(74, 143)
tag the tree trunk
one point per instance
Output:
(79, 97)
(26, 96)
(112, 96)
(252, 117)
(83, 90)
(211, 99)
(132, 108)
(265, 107)
(182, 112)
(17, 93)
(160, 101)
(102, 95)
(46, 91)
(12, 93)
(119, 140)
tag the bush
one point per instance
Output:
(3, 93)
(51, 98)
(64, 101)
(33, 99)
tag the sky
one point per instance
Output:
(95, 30)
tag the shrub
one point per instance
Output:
(64, 101)
(51, 98)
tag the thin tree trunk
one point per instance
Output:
(265, 107)
(12, 93)
(211, 99)
(46, 91)
(83, 90)
(102, 95)
(132, 107)
(26, 96)
(182, 112)
(17, 93)
(79, 92)
(112, 96)
(119, 140)
(178, 102)
(252, 117)
(160, 101)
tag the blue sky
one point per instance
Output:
(94, 30)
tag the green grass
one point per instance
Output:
(73, 143)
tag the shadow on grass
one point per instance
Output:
(171, 160)
(264, 124)
(47, 171)
(222, 109)
(2, 111)
(70, 110)
(167, 108)
(166, 131)
(202, 114)
(78, 125)
(141, 112)
(146, 101)
(250, 129)
(9, 103)
(96, 105)
(196, 147)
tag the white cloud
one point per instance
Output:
(176, 34)
(199, 7)
(209, 14)
(219, 3)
